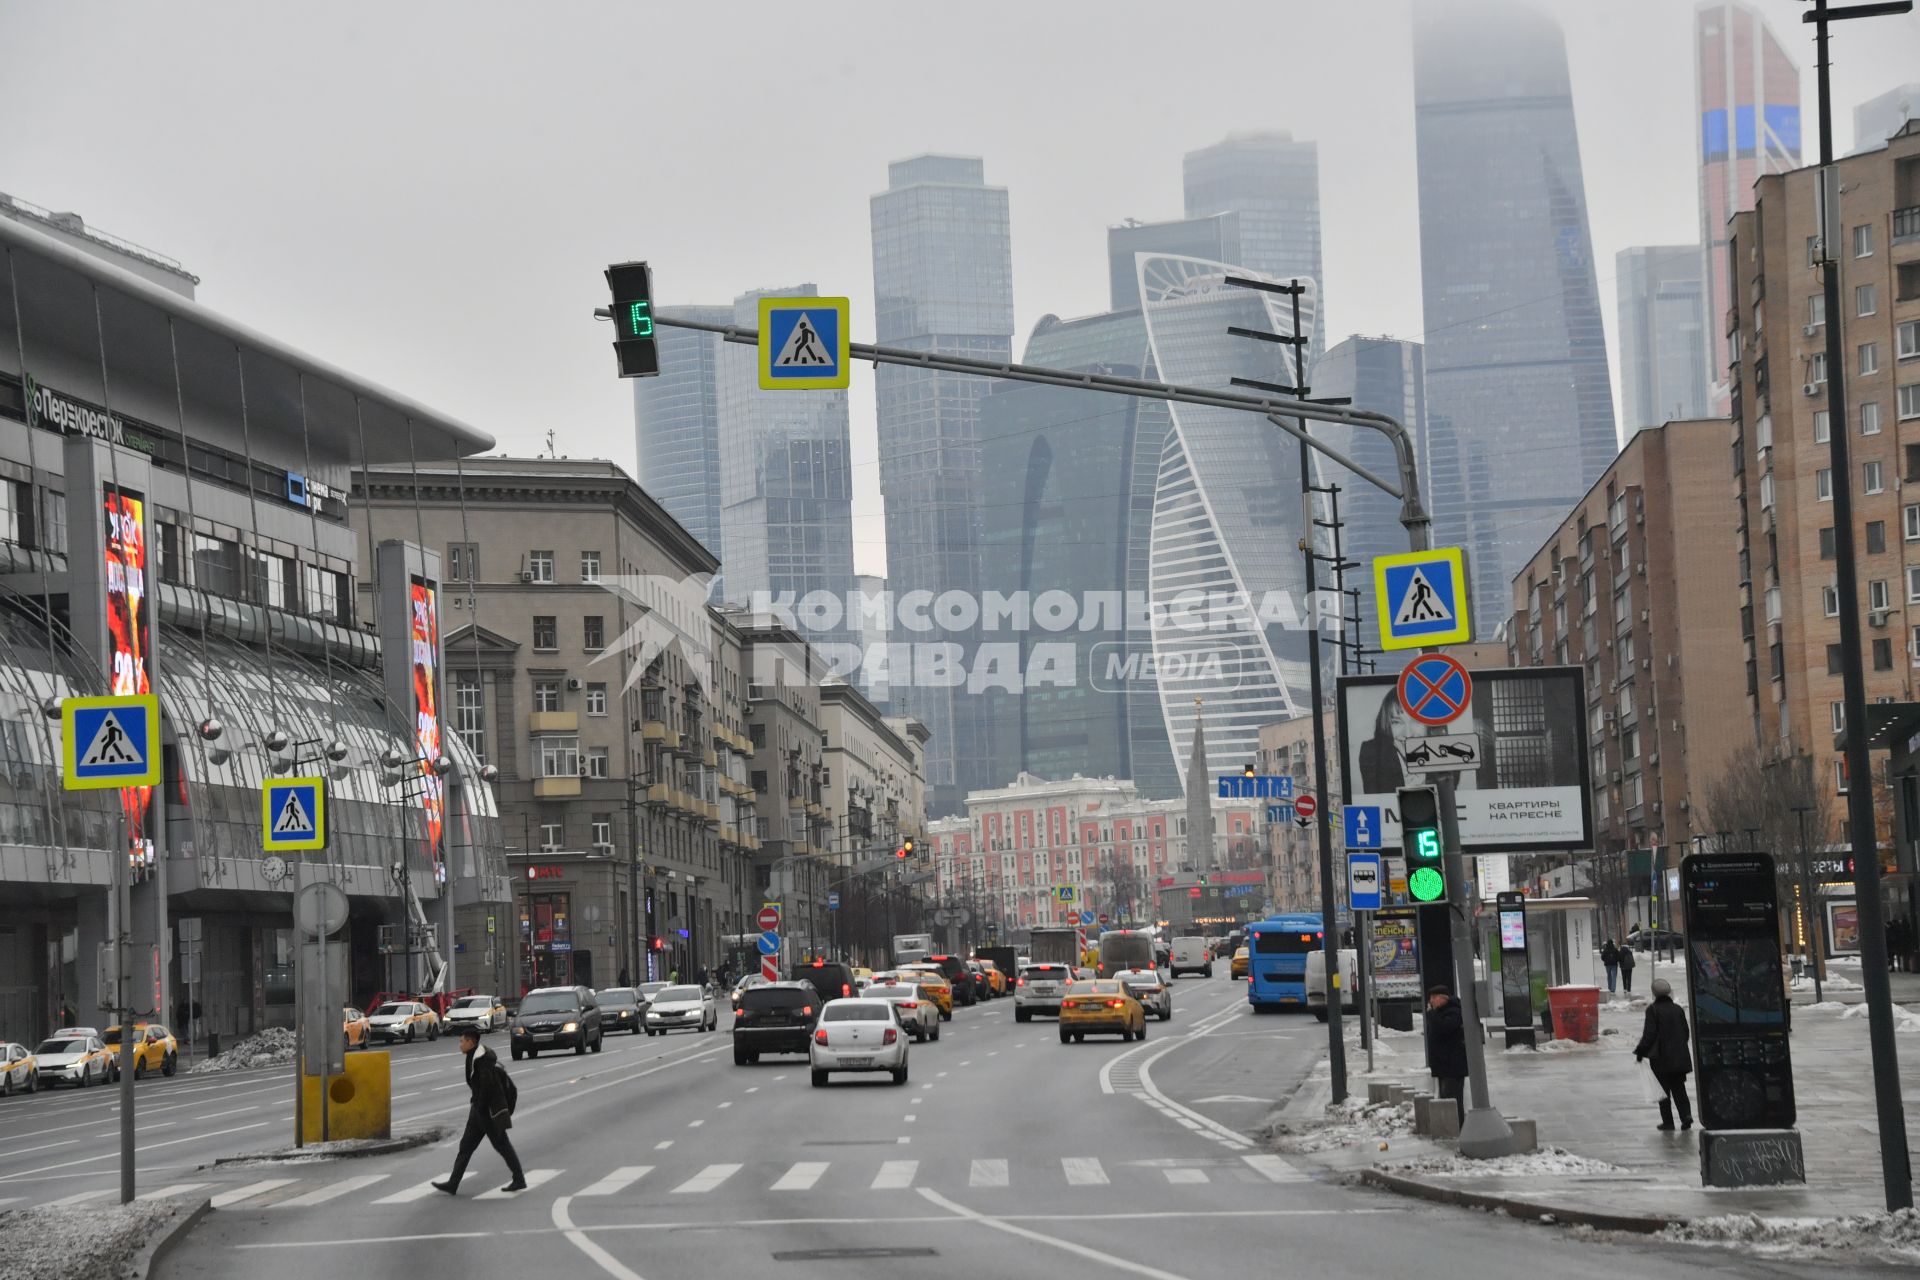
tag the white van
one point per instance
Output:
(1190, 955)
(1317, 980)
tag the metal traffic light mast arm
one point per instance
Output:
(1407, 487)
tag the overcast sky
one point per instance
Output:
(427, 193)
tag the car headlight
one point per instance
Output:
(571, 1026)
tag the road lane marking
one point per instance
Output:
(903, 1140)
(578, 1239)
(81, 1198)
(1083, 1171)
(707, 1179)
(167, 1193)
(419, 1191)
(1274, 1169)
(987, 1173)
(535, 1178)
(442, 1088)
(619, 1180)
(754, 1089)
(802, 1176)
(115, 1155)
(695, 1124)
(43, 1147)
(911, 1117)
(332, 1191)
(251, 1190)
(662, 1146)
(894, 1175)
(941, 1076)
(1025, 1233)
(723, 1106)
(1185, 1176)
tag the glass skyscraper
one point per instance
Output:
(1215, 238)
(786, 480)
(677, 423)
(1516, 355)
(942, 281)
(1663, 341)
(1272, 182)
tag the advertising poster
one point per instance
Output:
(1396, 957)
(426, 710)
(130, 661)
(1843, 928)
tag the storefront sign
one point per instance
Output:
(58, 412)
(545, 873)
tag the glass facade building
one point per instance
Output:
(1663, 340)
(942, 281)
(677, 423)
(1516, 353)
(1215, 238)
(1271, 181)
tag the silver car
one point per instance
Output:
(917, 1013)
(858, 1034)
(1154, 995)
(1039, 989)
(682, 1008)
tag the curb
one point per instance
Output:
(405, 1142)
(141, 1265)
(1418, 1188)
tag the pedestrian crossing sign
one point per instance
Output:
(803, 343)
(111, 742)
(293, 814)
(1422, 598)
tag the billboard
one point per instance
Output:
(1532, 787)
(425, 631)
(129, 638)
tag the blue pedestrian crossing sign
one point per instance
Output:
(293, 814)
(1422, 598)
(110, 742)
(803, 343)
(1363, 826)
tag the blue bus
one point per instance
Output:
(1277, 949)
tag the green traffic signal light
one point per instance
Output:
(1422, 843)
(633, 341)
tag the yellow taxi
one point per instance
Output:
(1239, 967)
(154, 1049)
(1103, 1006)
(354, 1031)
(932, 981)
(995, 979)
(404, 1020)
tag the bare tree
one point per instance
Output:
(1779, 807)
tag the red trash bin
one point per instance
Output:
(1576, 1013)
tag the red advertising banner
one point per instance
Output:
(129, 660)
(426, 710)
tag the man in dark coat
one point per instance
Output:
(1664, 1047)
(489, 1116)
(1610, 957)
(1447, 1046)
(1626, 966)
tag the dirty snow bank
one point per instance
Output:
(268, 1048)
(78, 1240)
(1555, 1161)
(1891, 1236)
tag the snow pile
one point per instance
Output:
(1904, 1019)
(1889, 1236)
(1829, 1006)
(1553, 1161)
(269, 1048)
(93, 1240)
(1832, 982)
(1355, 1122)
(1564, 1046)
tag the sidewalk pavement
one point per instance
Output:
(1600, 1155)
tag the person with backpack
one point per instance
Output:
(489, 1116)
(1626, 967)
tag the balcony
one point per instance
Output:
(555, 788)
(1906, 224)
(657, 731)
(659, 793)
(554, 722)
(710, 758)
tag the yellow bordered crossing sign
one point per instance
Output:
(804, 343)
(293, 814)
(110, 742)
(1421, 597)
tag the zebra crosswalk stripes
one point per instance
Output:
(619, 1180)
(895, 1175)
(167, 1193)
(802, 1176)
(987, 1173)
(1083, 1171)
(535, 1178)
(332, 1191)
(406, 1195)
(707, 1179)
(252, 1189)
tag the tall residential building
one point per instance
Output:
(1272, 182)
(1879, 118)
(1789, 612)
(1747, 91)
(677, 423)
(1663, 348)
(786, 482)
(1215, 238)
(942, 281)
(1380, 375)
(1227, 515)
(1516, 355)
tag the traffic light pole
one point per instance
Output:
(1485, 1132)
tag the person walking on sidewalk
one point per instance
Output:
(1610, 957)
(489, 1116)
(1664, 1047)
(1626, 967)
(1447, 1047)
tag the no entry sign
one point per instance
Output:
(1306, 807)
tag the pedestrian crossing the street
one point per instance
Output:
(986, 1174)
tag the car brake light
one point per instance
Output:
(806, 1010)
(1116, 1004)
(1021, 983)
(910, 1004)
(891, 1036)
(845, 990)
(820, 1036)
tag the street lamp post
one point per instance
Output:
(1806, 898)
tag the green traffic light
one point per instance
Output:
(1426, 843)
(639, 320)
(1426, 884)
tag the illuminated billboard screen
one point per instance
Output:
(426, 709)
(130, 660)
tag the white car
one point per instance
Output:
(1038, 989)
(1154, 995)
(482, 1013)
(682, 1008)
(917, 1013)
(407, 1020)
(1190, 955)
(18, 1069)
(858, 1034)
(75, 1060)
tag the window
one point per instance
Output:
(1766, 491)
(540, 566)
(1869, 357)
(1630, 745)
(560, 757)
(595, 632)
(1827, 551)
(1863, 240)
(469, 712)
(1883, 655)
(1912, 513)
(1865, 301)
(546, 631)
(603, 830)
(1913, 584)
(1830, 601)
(463, 561)
(1634, 794)
(551, 834)
(1813, 251)
(1879, 599)
(590, 560)
(1817, 367)
(1876, 537)
(1823, 484)
(1816, 310)
(1837, 712)
(1907, 339)
(1870, 478)
(1833, 658)
(546, 695)
(1910, 401)
(1913, 646)
(596, 762)
(1822, 427)
(1870, 418)
(597, 699)
(1840, 775)
(1773, 604)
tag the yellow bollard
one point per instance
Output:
(359, 1102)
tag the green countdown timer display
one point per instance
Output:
(1426, 884)
(635, 319)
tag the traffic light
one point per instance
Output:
(633, 341)
(1423, 844)
(905, 850)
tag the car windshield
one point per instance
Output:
(1045, 972)
(392, 1010)
(671, 995)
(62, 1046)
(1142, 980)
(473, 1002)
(652, 989)
(841, 1011)
(549, 1002)
(1094, 989)
(764, 999)
(619, 996)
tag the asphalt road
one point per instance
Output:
(1005, 1154)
